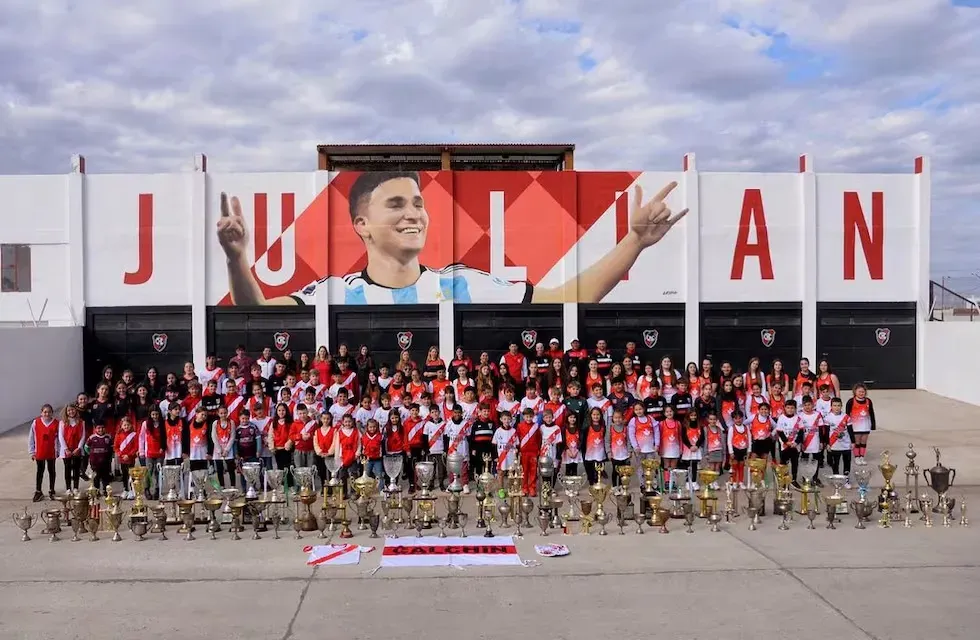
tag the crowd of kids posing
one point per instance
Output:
(581, 407)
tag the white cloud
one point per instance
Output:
(747, 84)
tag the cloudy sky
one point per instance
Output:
(863, 85)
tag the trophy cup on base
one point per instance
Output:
(227, 497)
(779, 509)
(585, 506)
(832, 503)
(237, 517)
(93, 524)
(964, 521)
(305, 477)
(888, 495)
(365, 489)
(651, 476)
(424, 475)
(484, 500)
(599, 492)
(526, 509)
(137, 479)
(52, 522)
(24, 522)
(911, 476)
(454, 466)
(211, 505)
(757, 478)
(255, 508)
(706, 497)
(689, 517)
(199, 479)
(453, 502)
(809, 494)
(170, 475)
(252, 472)
(114, 515)
(863, 510)
(837, 481)
(678, 492)
(514, 479)
(65, 500)
(862, 476)
(333, 491)
(393, 466)
(572, 485)
(784, 495)
(138, 525)
(714, 519)
(661, 515)
(159, 519)
(757, 501)
(948, 515)
(639, 517)
(753, 513)
(940, 479)
(186, 508)
(885, 506)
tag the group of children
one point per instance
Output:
(686, 421)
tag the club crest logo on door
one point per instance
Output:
(404, 340)
(882, 336)
(650, 337)
(159, 342)
(281, 340)
(529, 337)
(768, 337)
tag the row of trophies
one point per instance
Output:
(499, 497)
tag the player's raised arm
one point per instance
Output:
(233, 238)
(649, 223)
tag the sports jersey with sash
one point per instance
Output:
(371, 445)
(457, 433)
(643, 434)
(127, 446)
(530, 437)
(811, 431)
(338, 411)
(790, 427)
(557, 411)
(349, 382)
(550, 438)
(206, 376)
(263, 402)
(297, 433)
(234, 403)
(323, 440)
(456, 282)
(513, 407)
(434, 432)
(263, 424)
(839, 438)
(349, 442)
(190, 405)
(506, 442)
(619, 444)
(414, 427)
(534, 404)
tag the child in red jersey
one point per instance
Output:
(126, 446)
(71, 439)
(861, 412)
(43, 445)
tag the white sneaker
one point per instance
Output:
(847, 485)
(741, 485)
(466, 489)
(714, 485)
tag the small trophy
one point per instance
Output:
(24, 522)
(911, 476)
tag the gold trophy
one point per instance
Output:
(114, 514)
(52, 522)
(888, 496)
(365, 488)
(809, 494)
(572, 486)
(964, 521)
(911, 476)
(622, 497)
(484, 498)
(707, 498)
(757, 480)
(186, 510)
(305, 477)
(237, 516)
(600, 492)
(212, 505)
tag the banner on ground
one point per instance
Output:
(335, 554)
(432, 551)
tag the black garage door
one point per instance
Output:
(386, 330)
(278, 328)
(869, 342)
(657, 329)
(738, 332)
(136, 338)
(492, 328)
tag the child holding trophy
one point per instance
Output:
(595, 444)
(619, 443)
(739, 444)
(551, 440)
(126, 447)
(814, 437)
(432, 432)
(670, 443)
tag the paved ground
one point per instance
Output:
(896, 583)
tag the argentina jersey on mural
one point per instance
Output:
(456, 282)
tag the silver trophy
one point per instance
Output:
(170, 481)
(199, 478)
(424, 473)
(393, 469)
(305, 477)
(275, 479)
(837, 481)
(252, 472)
(454, 465)
(862, 475)
(678, 480)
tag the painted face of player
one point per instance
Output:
(393, 219)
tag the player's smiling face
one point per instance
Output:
(394, 219)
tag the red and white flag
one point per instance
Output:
(432, 551)
(335, 554)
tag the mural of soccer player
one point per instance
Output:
(389, 215)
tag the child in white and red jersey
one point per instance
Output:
(571, 450)
(433, 431)
(620, 452)
(366, 412)
(822, 404)
(505, 441)
(643, 432)
(529, 432)
(71, 437)
(862, 414)
(714, 445)
(739, 445)
(127, 450)
(233, 400)
(551, 439)
(371, 445)
(692, 437)
(840, 435)
(598, 400)
(761, 427)
(814, 437)
(670, 442)
(754, 400)
(789, 431)
(595, 444)
(532, 401)
(43, 445)
(223, 432)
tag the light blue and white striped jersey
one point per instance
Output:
(455, 282)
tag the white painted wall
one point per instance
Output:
(950, 360)
(49, 366)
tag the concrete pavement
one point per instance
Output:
(895, 583)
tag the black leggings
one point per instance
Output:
(103, 475)
(814, 456)
(222, 466)
(125, 475)
(791, 456)
(52, 474)
(73, 469)
(591, 472)
(835, 457)
(284, 460)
